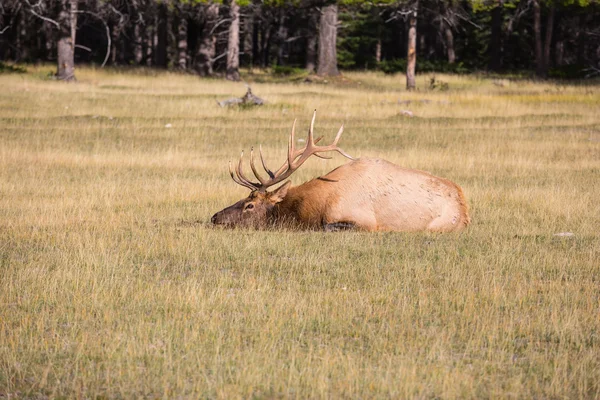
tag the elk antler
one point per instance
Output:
(295, 158)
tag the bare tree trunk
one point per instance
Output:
(548, 42)
(149, 45)
(328, 41)
(208, 40)
(559, 53)
(3, 51)
(379, 43)
(247, 44)
(412, 51)
(266, 45)
(138, 54)
(67, 19)
(542, 48)
(496, 37)
(255, 43)
(162, 36)
(311, 42)
(49, 42)
(233, 43)
(20, 49)
(581, 40)
(182, 43)
(282, 34)
(537, 27)
(115, 54)
(450, 44)
(171, 38)
(73, 22)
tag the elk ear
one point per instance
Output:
(280, 193)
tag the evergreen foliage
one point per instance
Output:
(499, 35)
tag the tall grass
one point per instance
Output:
(113, 284)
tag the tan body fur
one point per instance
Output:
(376, 195)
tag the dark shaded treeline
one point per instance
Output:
(559, 38)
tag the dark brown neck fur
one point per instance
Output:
(303, 206)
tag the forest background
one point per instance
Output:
(548, 38)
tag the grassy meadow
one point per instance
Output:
(113, 284)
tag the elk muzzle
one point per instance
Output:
(244, 213)
(229, 216)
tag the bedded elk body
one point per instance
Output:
(367, 194)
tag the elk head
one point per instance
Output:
(255, 210)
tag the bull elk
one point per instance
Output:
(367, 194)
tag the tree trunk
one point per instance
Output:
(548, 41)
(115, 54)
(311, 41)
(138, 54)
(266, 45)
(537, 28)
(581, 42)
(542, 48)
(255, 36)
(247, 42)
(559, 53)
(496, 37)
(3, 50)
(328, 41)
(162, 36)
(559, 45)
(20, 48)
(282, 35)
(208, 40)
(379, 43)
(67, 20)
(182, 43)
(48, 34)
(450, 44)
(411, 57)
(233, 43)
(149, 45)
(422, 42)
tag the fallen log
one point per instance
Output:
(248, 99)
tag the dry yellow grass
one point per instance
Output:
(112, 284)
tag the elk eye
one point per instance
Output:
(249, 206)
